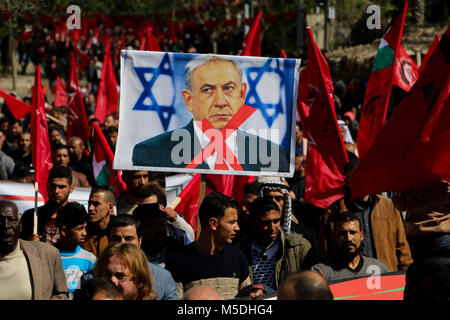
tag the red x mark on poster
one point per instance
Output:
(218, 141)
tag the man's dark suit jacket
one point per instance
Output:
(156, 151)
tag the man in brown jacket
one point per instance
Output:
(100, 210)
(381, 222)
(28, 269)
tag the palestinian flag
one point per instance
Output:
(102, 161)
(379, 86)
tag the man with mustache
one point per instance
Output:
(384, 232)
(348, 262)
(215, 95)
(128, 200)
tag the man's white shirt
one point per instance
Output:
(204, 141)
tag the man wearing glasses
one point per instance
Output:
(270, 252)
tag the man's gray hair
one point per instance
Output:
(204, 59)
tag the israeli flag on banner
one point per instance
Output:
(207, 113)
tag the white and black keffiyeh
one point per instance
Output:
(274, 183)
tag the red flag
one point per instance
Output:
(82, 59)
(326, 156)
(187, 202)
(406, 71)
(303, 112)
(380, 83)
(252, 41)
(102, 162)
(40, 142)
(413, 150)
(120, 47)
(107, 96)
(18, 108)
(283, 54)
(148, 41)
(60, 94)
(77, 122)
(230, 185)
(75, 35)
(429, 53)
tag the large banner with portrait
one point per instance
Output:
(207, 113)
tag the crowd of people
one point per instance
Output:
(135, 247)
(138, 248)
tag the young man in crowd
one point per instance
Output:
(59, 187)
(250, 193)
(100, 209)
(212, 260)
(270, 252)
(71, 221)
(275, 188)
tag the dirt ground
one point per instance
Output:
(24, 84)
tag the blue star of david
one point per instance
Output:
(253, 98)
(165, 112)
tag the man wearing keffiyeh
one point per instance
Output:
(276, 189)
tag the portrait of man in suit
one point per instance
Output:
(215, 95)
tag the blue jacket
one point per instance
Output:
(164, 284)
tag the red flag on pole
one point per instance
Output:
(81, 58)
(379, 87)
(429, 53)
(303, 112)
(102, 163)
(77, 122)
(252, 41)
(120, 47)
(230, 185)
(148, 41)
(107, 96)
(187, 202)
(40, 142)
(18, 108)
(60, 94)
(413, 150)
(326, 156)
